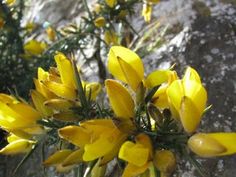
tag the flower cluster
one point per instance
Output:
(149, 121)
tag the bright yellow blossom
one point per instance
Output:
(98, 138)
(147, 12)
(163, 78)
(213, 144)
(187, 98)
(111, 3)
(126, 66)
(138, 155)
(51, 34)
(17, 147)
(18, 116)
(165, 161)
(34, 47)
(100, 22)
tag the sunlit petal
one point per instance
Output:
(75, 134)
(58, 157)
(120, 99)
(126, 57)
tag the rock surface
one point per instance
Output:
(202, 35)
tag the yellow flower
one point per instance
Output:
(187, 98)
(110, 37)
(18, 146)
(100, 22)
(10, 2)
(34, 47)
(163, 78)
(126, 66)
(98, 138)
(122, 104)
(213, 144)
(165, 161)
(111, 3)
(18, 116)
(38, 100)
(138, 155)
(57, 159)
(51, 34)
(147, 12)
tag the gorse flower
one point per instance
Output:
(187, 98)
(56, 91)
(213, 144)
(147, 9)
(34, 47)
(98, 138)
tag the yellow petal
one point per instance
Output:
(64, 169)
(197, 93)
(121, 60)
(59, 104)
(42, 74)
(92, 89)
(61, 90)
(98, 126)
(113, 153)
(164, 160)
(98, 170)
(111, 3)
(157, 78)
(189, 115)
(133, 170)
(41, 88)
(227, 140)
(103, 145)
(34, 129)
(34, 47)
(57, 158)
(75, 134)
(120, 99)
(135, 154)
(74, 158)
(147, 12)
(146, 142)
(99, 22)
(38, 100)
(160, 98)
(21, 133)
(175, 93)
(191, 74)
(18, 146)
(208, 146)
(130, 74)
(7, 98)
(65, 69)
(12, 138)
(27, 112)
(51, 33)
